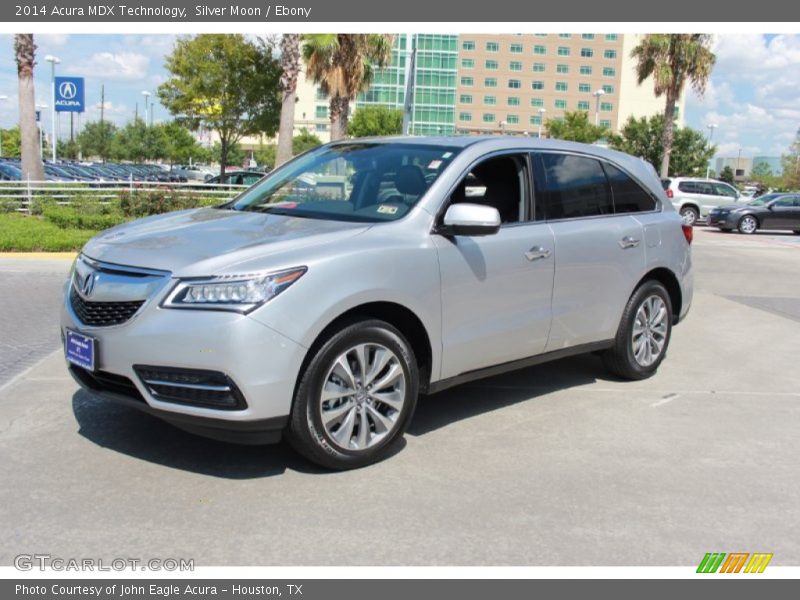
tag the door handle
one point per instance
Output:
(628, 242)
(536, 253)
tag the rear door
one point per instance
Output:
(782, 214)
(600, 255)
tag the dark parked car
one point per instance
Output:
(771, 211)
(238, 178)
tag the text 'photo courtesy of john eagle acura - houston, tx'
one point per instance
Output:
(319, 303)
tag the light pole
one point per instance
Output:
(41, 106)
(3, 98)
(53, 60)
(597, 95)
(711, 128)
(541, 120)
(146, 95)
(503, 127)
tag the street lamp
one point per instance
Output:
(711, 127)
(503, 127)
(597, 95)
(541, 120)
(146, 95)
(53, 60)
(41, 106)
(3, 98)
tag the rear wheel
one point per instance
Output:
(643, 335)
(690, 215)
(748, 224)
(356, 397)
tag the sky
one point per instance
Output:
(753, 96)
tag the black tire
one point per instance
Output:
(620, 359)
(743, 226)
(690, 215)
(306, 432)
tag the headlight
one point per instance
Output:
(238, 293)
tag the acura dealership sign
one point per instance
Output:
(69, 94)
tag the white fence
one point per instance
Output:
(63, 192)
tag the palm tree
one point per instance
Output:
(290, 70)
(25, 51)
(672, 59)
(344, 65)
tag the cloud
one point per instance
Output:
(51, 39)
(114, 66)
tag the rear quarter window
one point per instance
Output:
(629, 196)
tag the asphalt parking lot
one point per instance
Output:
(558, 464)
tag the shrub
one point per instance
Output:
(142, 204)
(72, 217)
(24, 233)
(7, 205)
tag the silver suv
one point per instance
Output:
(694, 198)
(319, 303)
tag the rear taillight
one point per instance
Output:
(669, 193)
(688, 233)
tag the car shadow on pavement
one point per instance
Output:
(142, 436)
(494, 393)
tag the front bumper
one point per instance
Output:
(723, 221)
(263, 364)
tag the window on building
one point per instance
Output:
(563, 69)
(561, 104)
(563, 51)
(583, 105)
(572, 187)
(540, 34)
(585, 70)
(565, 36)
(540, 50)
(629, 197)
(587, 53)
(584, 88)
(535, 120)
(464, 116)
(491, 65)
(537, 102)
(608, 89)
(512, 119)
(488, 117)
(610, 54)
(321, 95)
(606, 107)
(467, 81)
(587, 36)
(490, 82)
(492, 47)
(609, 72)
(321, 127)
(516, 48)
(611, 37)
(561, 86)
(465, 99)
(538, 67)
(514, 84)
(605, 123)
(537, 85)
(468, 45)
(513, 100)
(490, 100)
(321, 112)
(515, 65)
(467, 63)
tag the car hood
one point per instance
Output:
(209, 241)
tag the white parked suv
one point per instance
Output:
(694, 197)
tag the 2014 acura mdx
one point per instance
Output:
(319, 303)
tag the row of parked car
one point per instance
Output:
(721, 205)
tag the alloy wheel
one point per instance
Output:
(649, 334)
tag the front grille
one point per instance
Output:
(103, 381)
(194, 387)
(102, 314)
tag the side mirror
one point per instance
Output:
(470, 219)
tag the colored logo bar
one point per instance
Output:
(734, 562)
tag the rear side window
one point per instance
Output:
(724, 190)
(629, 197)
(690, 187)
(573, 186)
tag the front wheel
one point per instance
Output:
(748, 224)
(689, 215)
(643, 335)
(356, 397)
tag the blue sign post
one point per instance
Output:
(69, 94)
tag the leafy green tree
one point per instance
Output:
(576, 127)
(344, 66)
(235, 155)
(305, 140)
(10, 139)
(95, 139)
(642, 137)
(672, 60)
(375, 121)
(790, 166)
(68, 149)
(726, 175)
(266, 154)
(225, 83)
(180, 146)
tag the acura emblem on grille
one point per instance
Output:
(87, 285)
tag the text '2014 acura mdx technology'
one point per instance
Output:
(319, 303)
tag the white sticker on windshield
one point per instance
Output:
(435, 164)
(387, 209)
(447, 155)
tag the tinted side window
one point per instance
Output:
(786, 201)
(688, 186)
(724, 190)
(628, 195)
(573, 186)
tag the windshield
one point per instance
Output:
(762, 200)
(356, 181)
